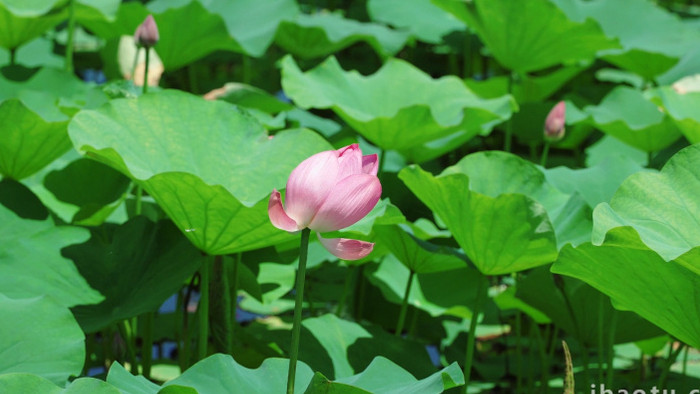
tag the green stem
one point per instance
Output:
(147, 346)
(610, 374)
(139, 197)
(126, 334)
(579, 337)
(545, 153)
(203, 310)
(672, 356)
(234, 291)
(359, 293)
(404, 305)
(346, 290)
(298, 305)
(467, 56)
(380, 167)
(650, 156)
(685, 361)
(220, 306)
(509, 124)
(471, 336)
(71, 33)
(543, 353)
(518, 352)
(145, 70)
(246, 69)
(601, 342)
(13, 56)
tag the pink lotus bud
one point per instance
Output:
(329, 191)
(146, 34)
(554, 125)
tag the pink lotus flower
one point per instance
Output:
(329, 191)
(554, 125)
(146, 34)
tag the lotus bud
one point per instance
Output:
(329, 191)
(146, 34)
(554, 125)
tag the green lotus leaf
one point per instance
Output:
(96, 9)
(128, 383)
(652, 38)
(33, 266)
(321, 34)
(627, 115)
(682, 109)
(530, 35)
(638, 279)
(347, 347)
(136, 266)
(399, 107)
(251, 97)
(19, 382)
(417, 255)
(385, 377)
(40, 336)
(29, 141)
(244, 26)
(538, 290)
(219, 373)
(528, 89)
(26, 20)
(444, 293)
(596, 184)
(610, 148)
(424, 20)
(661, 206)
(212, 181)
(496, 206)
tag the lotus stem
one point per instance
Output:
(126, 334)
(145, 70)
(203, 310)
(509, 124)
(471, 336)
(672, 356)
(346, 290)
(545, 153)
(298, 305)
(404, 304)
(611, 349)
(518, 352)
(71, 34)
(147, 346)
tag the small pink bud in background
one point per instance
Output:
(146, 34)
(554, 125)
(329, 191)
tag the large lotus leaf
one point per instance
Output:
(322, 34)
(538, 290)
(652, 38)
(245, 26)
(93, 188)
(423, 19)
(418, 256)
(33, 265)
(528, 88)
(250, 97)
(609, 147)
(136, 267)
(682, 108)
(597, 183)
(662, 206)
(397, 108)
(23, 21)
(501, 234)
(128, 383)
(27, 383)
(39, 335)
(347, 347)
(530, 35)
(219, 374)
(627, 115)
(445, 293)
(252, 23)
(639, 280)
(212, 181)
(383, 376)
(29, 141)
